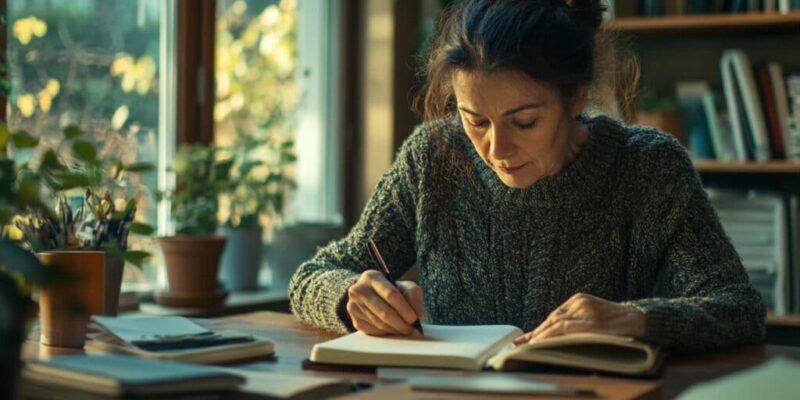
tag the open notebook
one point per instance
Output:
(490, 346)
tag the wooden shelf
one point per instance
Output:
(772, 167)
(784, 320)
(708, 23)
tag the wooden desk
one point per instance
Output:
(294, 341)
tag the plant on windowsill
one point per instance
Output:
(73, 174)
(261, 180)
(192, 255)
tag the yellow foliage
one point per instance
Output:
(24, 29)
(45, 100)
(52, 87)
(136, 74)
(26, 104)
(120, 116)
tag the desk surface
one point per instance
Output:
(294, 341)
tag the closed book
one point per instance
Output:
(770, 109)
(735, 113)
(477, 347)
(174, 338)
(782, 109)
(720, 140)
(752, 106)
(116, 375)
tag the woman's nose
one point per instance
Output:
(501, 146)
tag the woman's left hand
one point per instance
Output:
(587, 313)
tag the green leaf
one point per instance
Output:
(140, 167)
(136, 257)
(141, 229)
(85, 150)
(24, 140)
(72, 131)
(72, 180)
(21, 261)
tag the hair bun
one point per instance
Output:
(590, 12)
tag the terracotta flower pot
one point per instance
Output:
(192, 262)
(65, 307)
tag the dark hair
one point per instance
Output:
(557, 42)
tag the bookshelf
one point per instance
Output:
(708, 23)
(682, 48)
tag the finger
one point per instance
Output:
(556, 315)
(358, 306)
(380, 326)
(363, 325)
(522, 339)
(561, 328)
(383, 313)
(413, 294)
(394, 298)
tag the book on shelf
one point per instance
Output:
(689, 95)
(770, 108)
(478, 347)
(793, 96)
(718, 127)
(173, 338)
(110, 375)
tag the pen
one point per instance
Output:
(372, 249)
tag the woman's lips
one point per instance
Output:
(511, 170)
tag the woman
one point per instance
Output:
(518, 209)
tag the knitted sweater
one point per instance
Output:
(628, 221)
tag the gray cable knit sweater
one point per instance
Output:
(627, 220)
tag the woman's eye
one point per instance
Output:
(527, 125)
(479, 124)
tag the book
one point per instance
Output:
(117, 375)
(781, 106)
(476, 347)
(174, 338)
(276, 385)
(723, 149)
(735, 113)
(743, 72)
(770, 108)
(774, 379)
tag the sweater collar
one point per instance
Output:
(581, 182)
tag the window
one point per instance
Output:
(109, 66)
(274, 69)
(96, 64)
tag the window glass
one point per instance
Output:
(94, 64)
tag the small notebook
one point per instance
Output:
(490, 346)
(275, 385)
(117, 375)
(174, 338)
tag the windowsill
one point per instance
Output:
(264, 298)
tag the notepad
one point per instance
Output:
(490, 346)
(116, 375)
(174, 338)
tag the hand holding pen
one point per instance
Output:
(377, 306)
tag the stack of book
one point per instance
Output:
(755, 117)
(763, 228)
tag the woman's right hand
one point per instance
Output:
(378, 308)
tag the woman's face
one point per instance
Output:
(519, 127)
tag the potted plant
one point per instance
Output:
(659, 111)
(192, 255)
(89, 243)
(74, 174)
(255, 198)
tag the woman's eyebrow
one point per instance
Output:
(508, 112)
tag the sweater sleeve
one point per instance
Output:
(318, 289)
(702, 298)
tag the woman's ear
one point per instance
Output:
(579, 101)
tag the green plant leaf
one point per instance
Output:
(72, 180)
(141, 229)
(72, 132)
(24, 140)
(136, 257)
(140, 167)
(85, 150)
(21, 261)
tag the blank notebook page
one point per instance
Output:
(440, 340)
